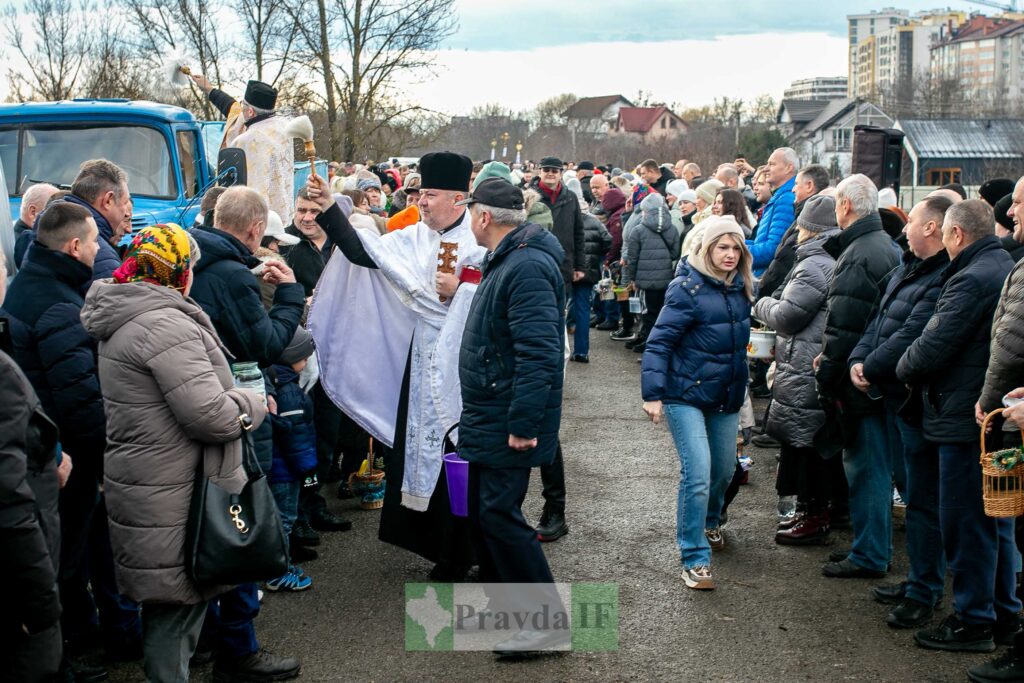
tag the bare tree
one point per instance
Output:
(53, 50)
(188, 27)
(270, 33)
(384, 43)
(762, 109)
(551, 111)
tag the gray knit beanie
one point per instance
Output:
(366, 183)
(818, 215)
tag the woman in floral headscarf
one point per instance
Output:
(170, 405)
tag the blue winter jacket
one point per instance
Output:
(697, 352)
(511, 363)
(776, 218)
(294, 432)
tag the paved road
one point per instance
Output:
(772, 618)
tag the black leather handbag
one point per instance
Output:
(235, 538)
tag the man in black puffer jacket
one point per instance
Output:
(946, 365)
(229, 293)
(511, 370)
(865, 255)
(905, 308)
(59, 357)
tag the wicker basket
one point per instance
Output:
(368, 484)
(1002, 489)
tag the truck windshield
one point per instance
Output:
(53, 153)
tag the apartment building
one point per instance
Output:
(818, 88)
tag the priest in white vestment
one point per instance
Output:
(387, 318)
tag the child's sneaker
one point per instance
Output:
(292, 581)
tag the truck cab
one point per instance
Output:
(161, 148)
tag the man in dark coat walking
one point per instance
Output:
(865, 256)
(59, 358)
(905, 308)
(229, 293)
(946, 365)
(511, 371)
(568, 228)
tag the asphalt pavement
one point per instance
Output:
(773, 616)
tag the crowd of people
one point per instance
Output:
(406, 312)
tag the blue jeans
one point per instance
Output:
(579, 312)
(706, 443)
(980, 549)
(926, 578)
(286, 495)
(868, 467)
(229, 622)
(610, 307)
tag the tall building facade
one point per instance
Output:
(818, 88)
(863, 28)
(984, 55)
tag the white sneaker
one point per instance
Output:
(699, 578)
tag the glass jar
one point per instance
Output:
(249, 376)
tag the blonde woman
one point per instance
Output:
(695, 376)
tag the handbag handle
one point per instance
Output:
(984, 429)
(249, 462)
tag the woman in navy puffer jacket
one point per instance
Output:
(695, 374)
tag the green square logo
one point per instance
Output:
(595, 617)
(429, 619)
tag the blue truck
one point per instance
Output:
(169, 156)
(160, 147)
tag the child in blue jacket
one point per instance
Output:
(294, 445)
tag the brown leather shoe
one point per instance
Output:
(809, 530)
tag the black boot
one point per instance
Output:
(303, 534)
(1007, 668)
(552, 526)
(255, 668)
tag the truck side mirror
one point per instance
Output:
(231, 167)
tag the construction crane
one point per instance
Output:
(1010, 6)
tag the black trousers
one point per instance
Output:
(654, 301)
(553, 478)
(808, 476)
(506, 545)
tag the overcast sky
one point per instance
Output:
(520, 52)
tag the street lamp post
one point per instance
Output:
(504, 145)
(494, 143)
(519, 150)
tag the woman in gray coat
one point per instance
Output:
(170, 405)
(797, 314)
(651, 261)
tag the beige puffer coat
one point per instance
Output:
(169, 400)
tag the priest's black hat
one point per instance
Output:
(260, 95)
(446, 171)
